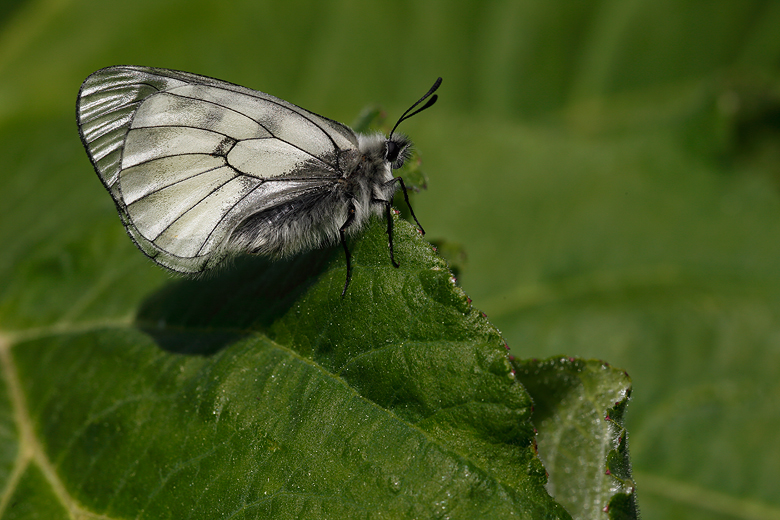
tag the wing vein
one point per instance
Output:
(185, 178)
(288, 109)
(224, 215)
(311, 155)
(198, 202)
(147, 161)
(194, 128)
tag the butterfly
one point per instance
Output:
(202, 170)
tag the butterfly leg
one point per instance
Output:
(388, 207)
(400, 181)
(342, 230)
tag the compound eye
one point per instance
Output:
(391, 151)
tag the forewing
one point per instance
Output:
(187, 158)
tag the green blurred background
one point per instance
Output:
(611, 169)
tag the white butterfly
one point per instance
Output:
(201, 169)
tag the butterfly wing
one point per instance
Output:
(188, 158)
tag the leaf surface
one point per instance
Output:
(261, 393)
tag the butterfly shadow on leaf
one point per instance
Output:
(201, 316)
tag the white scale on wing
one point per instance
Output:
(268, 158)
(186, 236)
(105, 124)
(152, 214)
(145, 178)
(146, 144)
(167, 109)
(296, 127)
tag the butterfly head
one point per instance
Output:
(398, 147)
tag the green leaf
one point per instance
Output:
(262, 393)
(579, 409)
(609, 167)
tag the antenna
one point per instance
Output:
(426, 105)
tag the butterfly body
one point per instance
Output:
(201, 169)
